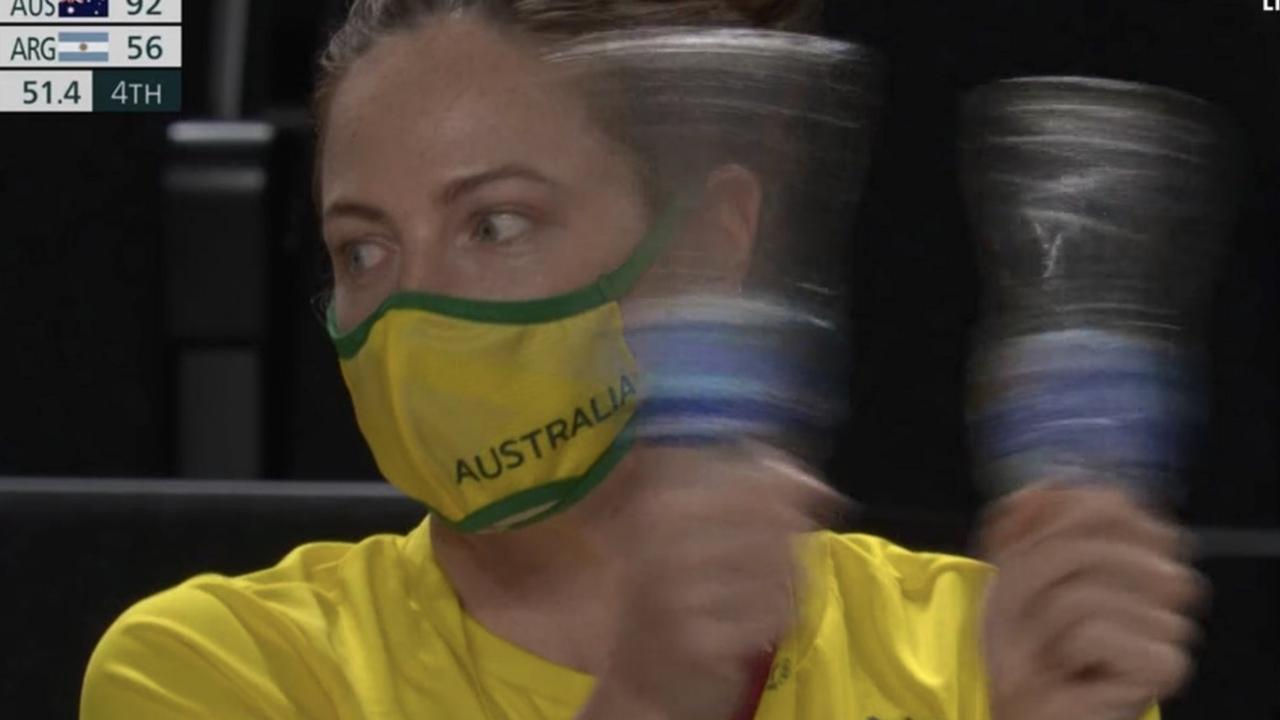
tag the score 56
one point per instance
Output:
(141, 46)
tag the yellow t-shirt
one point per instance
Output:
(373, 630)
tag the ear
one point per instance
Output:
(721, 235)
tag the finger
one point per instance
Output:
(743, 555)
(724, 640)
(704, 621)
(1045, 514)
(1038, 571)
(1109, 513)
(1012, 518)
(764, 613)
(765, 491)
(1073, 607)
(1093, 699)
(1099, 702)
(735, 468)
(740, 516)
(1110, 653)
(1029, 512)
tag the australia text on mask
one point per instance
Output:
(512, 453)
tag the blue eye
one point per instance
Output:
(501, 228)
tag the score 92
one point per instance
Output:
(144, 7)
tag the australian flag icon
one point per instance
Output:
(84, 8)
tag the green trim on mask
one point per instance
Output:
(608, 288)
(566, 493)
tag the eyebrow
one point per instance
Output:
(471, 183)
(358, 210)
(452, 191)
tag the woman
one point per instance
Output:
(460, 182)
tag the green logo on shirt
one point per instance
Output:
(779, 674)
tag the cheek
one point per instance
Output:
(592, 245)
(354, 300)
(590, 255)
(352, 308)
(656, 284)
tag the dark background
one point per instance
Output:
(92, 268)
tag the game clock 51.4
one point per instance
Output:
(42, 94)
(48, 91)
(91, 91)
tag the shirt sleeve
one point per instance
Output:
(187, 653)
(917, 618)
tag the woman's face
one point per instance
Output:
(455, 164)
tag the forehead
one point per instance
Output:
(452, 96)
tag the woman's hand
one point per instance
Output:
(711, 577)
(1087, 618)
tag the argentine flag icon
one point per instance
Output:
(84, 47)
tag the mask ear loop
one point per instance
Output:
(619, 283)
(321, 306)
(616, 284)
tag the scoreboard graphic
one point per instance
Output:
(69, 56)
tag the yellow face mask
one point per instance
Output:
(498, 414)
